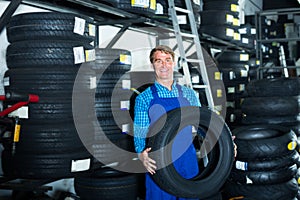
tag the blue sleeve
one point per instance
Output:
(141, 122)
(191, 96)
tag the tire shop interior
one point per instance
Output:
(71, 70)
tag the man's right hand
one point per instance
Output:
(148, 163)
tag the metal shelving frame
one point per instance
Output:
(260, 40)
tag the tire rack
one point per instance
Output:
(103, 15)
(260, 40)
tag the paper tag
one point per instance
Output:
(159, 9)
(236, 22)
(244, 73)
(253, 31)
(234, 8)
(79, 26)
(242, 87)
(79, 56)
(231, 90)
(245, 40)
(126, 84)
(125, 128)
(21, 112)
(218, 76)
(153, 4)
(241, 165)
(140, 3)
(231, 75)
(244, 57)
(80, 165)
(6, 81)
(90, 55)
(219, 93)
(236, 36)
(92, 30)
(229, 32)
(93, 82)
(195, 79)
(124, 105)
(229, 18)
(125, 59)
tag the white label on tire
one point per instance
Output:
(125, 128)
(231, 75)
(93, 82)
(79, 26)
(244, 73)
(79, 56)
(125, 59)
(231, 90)
(126, 84)
(92, 30)
(182, 19)
(90, 55)
(80, 165)
(244, 57)
(245, 40)
(241, 165)
(229, 32)
(124, 105)
(21, 112)
(6, 81)
(140, 3)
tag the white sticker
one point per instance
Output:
(242, 87)
(79, 56)
(253, 31)
(229, 32)
(90, 55)
(79, 26)
(241, 165)
(6, 81)
(245, 40)
(244, 73)
(229, 18)
(125, 128)
(125, 59)
(21, 112)
(92, 30)
(126, 84)
(93, 82)
(159, 9)
(244, 57)
(231, 90)
(231, 75)
(195, 79)
(80, 165)
(124, 105)
(140, 3)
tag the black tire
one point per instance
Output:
(264, 177)
(259, 146)
(275, 87)
(107, 188)
(167, 177)
(224, 32)
(267, 163)
(218, 17)
(270, 106)
(50, 25)
(282, 191)
(48, 53)
(233, 56)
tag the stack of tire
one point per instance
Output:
(233, 66)
(144, 7)
(219, 19)
(111, 146)
(266, 164)
(46, 52)
(272, 101)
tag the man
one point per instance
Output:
(155, 101)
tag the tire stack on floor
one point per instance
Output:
(266, 164)
(111, 144)
(46, 51)
(219, 19)
(267, 159)
(233, 66)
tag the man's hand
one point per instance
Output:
(148, 163)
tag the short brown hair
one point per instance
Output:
(162, 48)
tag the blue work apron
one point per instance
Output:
(186, 164)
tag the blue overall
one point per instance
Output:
(186, 162)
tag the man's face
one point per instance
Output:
(163, 65)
